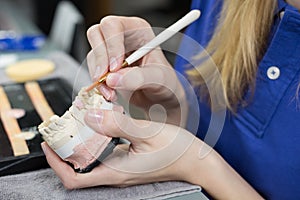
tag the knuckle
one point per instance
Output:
(92, 31)
(97, 57)
(144, 28)
(141, 22)
(99, 50)
(99, 53)
(108, 20)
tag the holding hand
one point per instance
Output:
(151, 80)
(158, 152)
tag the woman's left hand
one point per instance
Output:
(157, 152)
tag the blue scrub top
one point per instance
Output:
(261, 142)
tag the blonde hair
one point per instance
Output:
(238, 44)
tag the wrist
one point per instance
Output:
(217, 177)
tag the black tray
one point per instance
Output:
(59, 96)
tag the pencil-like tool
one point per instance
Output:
(155, 42)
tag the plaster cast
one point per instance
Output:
(70, 137)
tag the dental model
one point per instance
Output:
(72, 139)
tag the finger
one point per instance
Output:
(117, 80)
(97, 72)
(60, 167)
(97, 62)
(99, 65)
(91, 63)
(54, 160)
(94, 36)
(151, 76)
(123, 35)
(108, 93)
(115, 124)
(70, 179)
(113, 33)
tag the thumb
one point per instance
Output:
(60, 167)
(115, 124)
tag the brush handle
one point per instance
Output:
(163, 36)
(155, 42)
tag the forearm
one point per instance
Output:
(214, 174)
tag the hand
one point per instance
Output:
(149, 81)
(158, 152)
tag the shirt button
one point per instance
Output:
(273, 72)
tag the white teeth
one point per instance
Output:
(74, 111)
(61, 123)
(42, 131)
(53, 126)
(46, 131)
(71, 109)
(67, 115)
(54, 118)
(42, 125)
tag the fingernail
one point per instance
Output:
(98, 72)
(114, 79)
(44, 148)
(113, 64)
(94, 117)
(105, 91)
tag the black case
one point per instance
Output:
(59, 96)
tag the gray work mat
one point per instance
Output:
(44, 184)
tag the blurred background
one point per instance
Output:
(160, 13)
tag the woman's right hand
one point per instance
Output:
(149, 81)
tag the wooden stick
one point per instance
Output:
(11, 127)
(38, 100)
